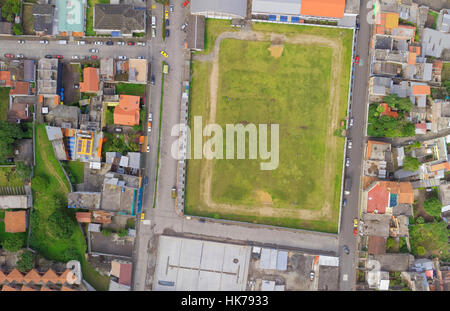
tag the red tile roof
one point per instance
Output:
(2, 277)
(388, 112)
(15, 276)
(421, 90)
(15, 221)
(127, 112)
(440, 166)
(5, 76)
(20, 88)
(50, 276)
(90, 80)
(32, 276)
(26, 288)
(7, 288)
(83, 217)
(328, 8)
(412, 58)
(378, 199)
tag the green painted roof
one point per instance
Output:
(70, 15)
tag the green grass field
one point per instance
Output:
(294, 92)
(4, 102)
(75, 170)
(8, 177)
(130, 89)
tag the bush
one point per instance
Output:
(122, 233)
(60, 224)
(420, 220)
(25, 263)
(411, 164)
(106, 232)
(23, 170)
(70, 254)
(13, 242)
(421, 251)
(18, 29)
(433, 207)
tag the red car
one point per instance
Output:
(131, 43)
(94, 57)
(9, 55)
(357, 59)
(59, 56)
(185, 3)
(355, 231)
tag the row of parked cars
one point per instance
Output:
(81, 42)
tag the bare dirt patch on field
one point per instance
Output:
(276, 51)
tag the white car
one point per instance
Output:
(21, 42)
(351, 122)
(120, 43)
(141, 57)
(141, 43)
(20, 56)
(93, 50)
(122, 57)
(349, 144)
(81, 42)
(347, 162)
(98, 42)
(148, 148)
(150, 117)
(153, 32)
(43, 42)
(75, 57)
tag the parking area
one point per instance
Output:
(71, 76)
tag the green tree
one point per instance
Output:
(431, 236)
(13, 242)
(23, 170)
(395, 102)
(420, 220)
(421, 251)
(9, 132)
(433, 207)
(18, 29)
(411, 164)
(25, 262)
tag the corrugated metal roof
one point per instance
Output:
(289, 7)
(135, 159)
(282, 259)
(328, 261)
(229, 7)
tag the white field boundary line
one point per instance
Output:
(300, 24)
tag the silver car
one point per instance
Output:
(120, 43)
(347, 162)
(93, 50)
(349, 144)
(122, 57)
(98, 42)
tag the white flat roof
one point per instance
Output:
(197, 265)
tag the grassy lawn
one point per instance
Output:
(28, 19)
(50, 190)
(75, 170)
(90, 15)
(4, 102)
(213, 28)
(130, 89)
(8, 177)
(294, 92)
(446, 72)
(433, 237)
(109, 116)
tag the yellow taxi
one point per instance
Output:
(355, 222)
(163, 53)
(142, 216)
(166, 14)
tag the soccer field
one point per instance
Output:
(298, 81)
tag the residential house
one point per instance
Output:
(394, 262)
(120, 193)
(119, 19)
(219, 9)
(196, 32)
(107, 69)
(127, 112)
(382, 197)
(64, 116)
(92, 119)
(443, 21)
(434, 42)
(19, 111)
(90, 80)
(417, 92)
(49, 75)
(377, 245)
(43, 19)
(378, 159)
(70, 17)
(137, 70)
(55, 135)
(120, 275)
(379, 87)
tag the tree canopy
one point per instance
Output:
(9, 132)
(395, 102)
(433, 207)
(386, 126)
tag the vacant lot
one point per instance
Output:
(28, 19)
(9, 177)
(4, 102)
(305, 91)
(130, 89)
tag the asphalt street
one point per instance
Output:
(357, 134)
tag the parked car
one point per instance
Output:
(93, 50)
(185, 3)
(202, 220)
(149, 126)
(141, 43)
(146, 180)
(142, 216)
(171, 8)
(167, 32)
(355, 231)
(141, 57)
(183, 27)
(346, 249)
(81, 42)
(48, 56)
(344, 203)
(122, 57)
(43, 41)
(131, 43)
(7, 55)
(148, 148)
(166, 14)
(351, 122)
(173, 192)
(347, 162)
(75, 57)
(21, 42)
(163, 53)
(20, 56)
(118, 129)
(76, 86)
(98, 42)
(357, 59)
(150, 117)
(349, 144)
(152, 81)
(58, 56)
(311, 276)
(120, 43)
(355, 222)
(167, 23)
(94, 57)
(153, 32)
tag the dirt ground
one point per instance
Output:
(276, 50)
(71, 76)
(266, 210)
